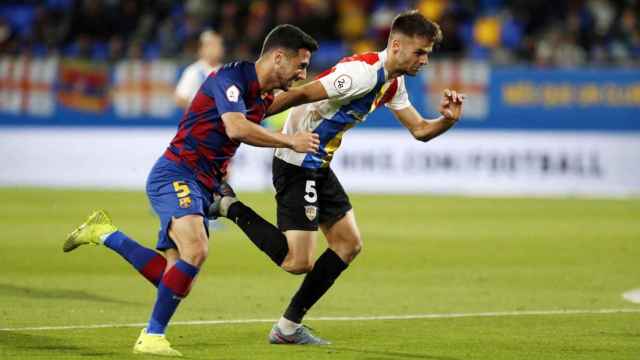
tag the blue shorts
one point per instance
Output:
(173, 191)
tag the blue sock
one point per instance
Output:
(174, 286)
(148, 262)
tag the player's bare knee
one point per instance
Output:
(348, 248)
(299, 269)
(189, 235)
(200, 255)
(195, 259)
(352, 250)
(196, 254)
(356, 246)
(297, 266)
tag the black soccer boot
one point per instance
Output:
(222, 199)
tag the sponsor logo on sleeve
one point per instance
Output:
(233, 93)
(342, 83)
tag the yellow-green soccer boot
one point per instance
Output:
(97, 225)
(152, 344)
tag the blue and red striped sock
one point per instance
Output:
(148, 262)
(174, 286)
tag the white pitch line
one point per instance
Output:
(632, 296)
(342, 318)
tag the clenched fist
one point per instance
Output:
(305, 142)
(451, 105)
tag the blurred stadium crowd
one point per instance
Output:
(540, 32)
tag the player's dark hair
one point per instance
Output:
(288, 37)
(412, 23)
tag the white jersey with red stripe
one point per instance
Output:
(192, 78)
(355, 86)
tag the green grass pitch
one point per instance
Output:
(422, 255)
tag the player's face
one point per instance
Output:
(212, 50)
(412, 53)
(291, 67)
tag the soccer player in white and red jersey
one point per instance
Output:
(309, 194)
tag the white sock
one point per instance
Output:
(152, 334)
(225, 204)
(104, 237)
(287, 326)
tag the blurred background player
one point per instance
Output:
(226, 111)
(308, 193)
(211, 53)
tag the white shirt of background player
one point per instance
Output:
(211, 52)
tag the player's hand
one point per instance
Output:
(451, 105)
(305, 142)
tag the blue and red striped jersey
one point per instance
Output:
(201, 143)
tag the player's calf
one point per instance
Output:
(263, 234)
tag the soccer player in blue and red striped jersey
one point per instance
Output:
(226, 111)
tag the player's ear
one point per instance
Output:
(394, 44)
(278, 56)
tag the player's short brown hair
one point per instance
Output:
(412, 23)
(288, 37)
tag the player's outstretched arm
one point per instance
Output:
(308, 93)
(425, 130)
(240, 129)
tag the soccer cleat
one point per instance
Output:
(224, 197)
(225, 190)
(302, 336)
(152, 344)
(98, 224)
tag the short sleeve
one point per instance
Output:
(349, 80)
(188, 84)
(400, 100)
(227, 92)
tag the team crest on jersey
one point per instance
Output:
(342, 83)
(185, 202)
(233, 93)
(311, 212)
